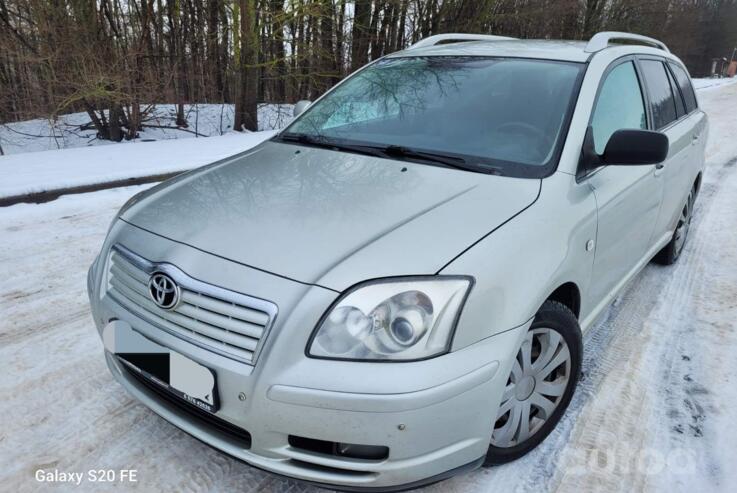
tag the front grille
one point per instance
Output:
(219, 320)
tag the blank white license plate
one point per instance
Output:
(172, 371)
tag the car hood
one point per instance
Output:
(331, 218)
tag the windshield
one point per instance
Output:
(489, 113)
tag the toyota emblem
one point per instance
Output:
(163, 291)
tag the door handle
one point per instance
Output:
(658, 169)
(695, 138)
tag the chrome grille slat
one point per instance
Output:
(197, 313)
(128, 281)
(193, 337)
(201, 328)
(121, 263)
(223, 321)
(229, 309)
(208, 317)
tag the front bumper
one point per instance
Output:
(431, 433)
(435, 416)
(283, 460)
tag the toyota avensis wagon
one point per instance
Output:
(393, 289)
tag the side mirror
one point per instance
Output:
(633, 147)
(300, 107)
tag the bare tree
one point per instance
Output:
(114, 59)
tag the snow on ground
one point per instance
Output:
(78, 161)
(656, 409)
(712, 83)
(204, 120)
(52, 170)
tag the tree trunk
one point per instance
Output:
(116, 133)
(374, 30)
(399, 41)
(277, 49)
(224, 52)
(213, 50)
(246, 105)
(103, 132)
(360, 35)
(339, 40)
(178, 56)
(326, 55)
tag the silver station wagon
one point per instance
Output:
(394, 288)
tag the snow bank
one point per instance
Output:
(52, 170)
(204, 120)
(702, 84)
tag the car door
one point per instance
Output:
(627, 197)
(687, 140)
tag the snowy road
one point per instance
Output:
(656, 409)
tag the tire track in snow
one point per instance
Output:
(644, 382)
(701, 323)
(666, 362)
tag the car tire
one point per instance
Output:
(555, 326)
(671, 252)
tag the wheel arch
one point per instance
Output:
(569, 295)
(697, 183)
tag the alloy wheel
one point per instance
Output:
(536, 384)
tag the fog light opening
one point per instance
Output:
(347, 450)
(367, 452)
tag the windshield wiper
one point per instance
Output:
(394, 151)
(444, 159)
(301, 139)
(322, 142)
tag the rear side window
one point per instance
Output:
(686, 88)
(680, 110)
(661, 97)
(619, 105)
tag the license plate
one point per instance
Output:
(168, 369)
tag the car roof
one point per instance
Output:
(572, 51)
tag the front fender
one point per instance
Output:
(520, 264)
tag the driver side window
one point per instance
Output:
(619, 106)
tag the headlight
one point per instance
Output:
(392, 319)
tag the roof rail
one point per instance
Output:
(601, 40)
(455, 37)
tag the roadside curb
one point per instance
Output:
(49, 195)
